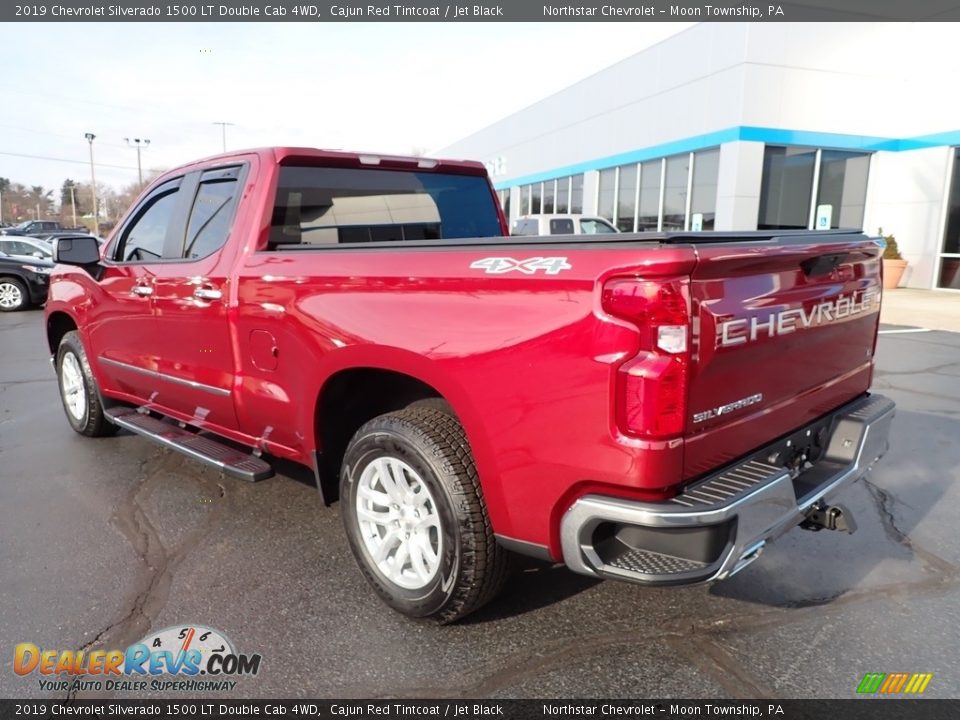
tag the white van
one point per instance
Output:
(561, 225)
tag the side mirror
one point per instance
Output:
(76, 251)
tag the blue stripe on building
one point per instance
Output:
(770, 136)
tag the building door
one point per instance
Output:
(949, 277)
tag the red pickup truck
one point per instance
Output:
(651, 407)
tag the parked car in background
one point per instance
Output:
(51, 237)
(38, 227)
(23, 281)
(26, 246)
(550, 224)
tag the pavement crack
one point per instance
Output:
(152, 587)
(885, 501)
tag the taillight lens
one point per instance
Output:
(651, 388)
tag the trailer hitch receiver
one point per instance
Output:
(829, 517)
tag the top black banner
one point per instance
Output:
(483, 11)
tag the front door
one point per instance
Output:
(122, 332)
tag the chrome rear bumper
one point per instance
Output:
(716, 527)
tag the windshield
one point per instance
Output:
(23, 225)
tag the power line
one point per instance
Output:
(34, 131)
(54, 134)
(66, 160)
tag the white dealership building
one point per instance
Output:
(740, 126)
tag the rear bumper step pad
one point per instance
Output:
(231, 461)
(719, 525)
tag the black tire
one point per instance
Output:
(435, 403)
(472, 567)
(93, 421)
(14, 289)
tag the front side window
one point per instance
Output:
(143, 241)
(324, 206)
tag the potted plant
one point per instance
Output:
(893, 262)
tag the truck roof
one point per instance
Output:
(283, 155)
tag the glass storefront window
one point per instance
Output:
(548, 195)
(535, 207)
(607, 193)
(649, 208)
(627, 198)
(950, 258)
(843, 186)
(563, 195)
(576, 194)
(786, 187)
(675, 192)
(706, 168)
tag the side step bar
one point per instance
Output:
(234, 463)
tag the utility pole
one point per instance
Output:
(223, 127)
(93, 186)
(137, 143)
(73, 204)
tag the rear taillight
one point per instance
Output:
(651, 387)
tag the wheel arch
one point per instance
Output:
(59, 323)
(360, 391)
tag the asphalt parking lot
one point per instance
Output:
(103, 540)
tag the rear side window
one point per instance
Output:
(211, 216)
(561, 226)
(327, 206)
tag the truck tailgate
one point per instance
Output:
(784, 331)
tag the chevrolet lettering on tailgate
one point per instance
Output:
(741, 330)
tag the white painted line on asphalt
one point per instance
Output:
(903, 332)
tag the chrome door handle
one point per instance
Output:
(207, 294)
(143, 290)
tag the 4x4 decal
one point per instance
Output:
(501, 265)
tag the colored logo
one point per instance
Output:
(894, 683)
(185, 651)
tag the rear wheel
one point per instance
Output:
(78, 389)
(415, 516)
(13, 295)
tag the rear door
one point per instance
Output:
(784, 331)
(191, 300)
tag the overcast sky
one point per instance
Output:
(388, 88)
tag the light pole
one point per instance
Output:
(223, 127)
(93, 186)
(73, 204)
(137, 143)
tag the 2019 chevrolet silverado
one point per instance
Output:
(651, 407)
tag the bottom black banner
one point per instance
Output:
(854, 709)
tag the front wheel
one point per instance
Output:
(415, 516)
(78, 389)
